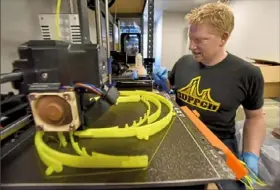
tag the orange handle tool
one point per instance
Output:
(232, 162)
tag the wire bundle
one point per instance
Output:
(90, 87)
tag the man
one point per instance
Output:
(215, 83)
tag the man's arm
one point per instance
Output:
(254, 126)
(254, 131)
(170, 81)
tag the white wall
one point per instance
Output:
(256, 32)
(174, 38)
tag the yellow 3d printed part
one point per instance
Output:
(55, 160)
(143, 132)
(131, 99)
(129, 96)
(76, 147)
(251, 179)
(123, 99)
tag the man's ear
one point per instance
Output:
(225, 38)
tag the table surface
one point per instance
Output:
(178, 156)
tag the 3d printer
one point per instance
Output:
(57, 76)
(56, 80)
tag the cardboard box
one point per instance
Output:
(272, 90)
(271, 74)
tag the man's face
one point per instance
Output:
(205, 42)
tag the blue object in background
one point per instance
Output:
(134, 75)
(110, 60)
(114, 83)
(160, 76)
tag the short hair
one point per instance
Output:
(218, 15)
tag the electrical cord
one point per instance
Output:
(57, 19)
(89, 87)
(98, 89)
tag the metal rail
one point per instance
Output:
(13, 147)
(15, 109)
(12, 98)
(107, 37)
(15, 126)
(9, 77)
(84, 22)
(98, 22)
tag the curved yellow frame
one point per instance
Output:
(54, 160)
(143, 132)
(134, 98)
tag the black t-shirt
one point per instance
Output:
(216, 92)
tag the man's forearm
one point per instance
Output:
(253, 134)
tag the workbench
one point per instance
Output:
(179, 156)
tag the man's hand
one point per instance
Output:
(251, 160)
(253, 136)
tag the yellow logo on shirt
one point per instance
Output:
(191, 95)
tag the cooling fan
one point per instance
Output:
(56, 111)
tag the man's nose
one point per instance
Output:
(192, 45)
